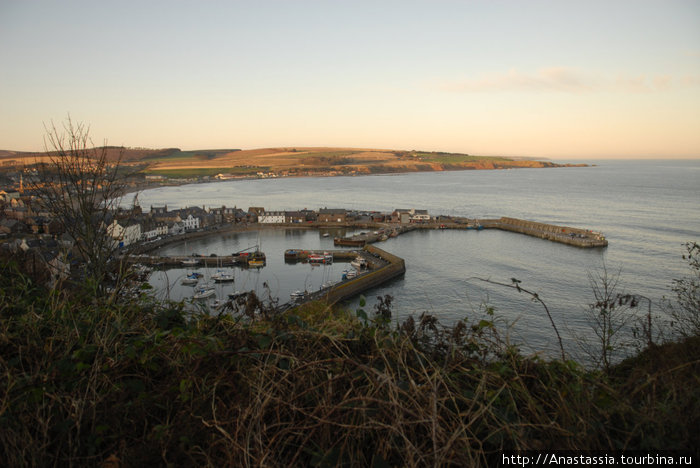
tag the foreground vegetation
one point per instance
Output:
(89, 381)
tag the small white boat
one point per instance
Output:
(297, 295)
(222, 276)
(236, 295)
(359, 263)
(191, 279)
(217, 304)
(190, 262)
(349, 274)
(203, 292)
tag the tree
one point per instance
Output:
(610, 317)
(81, 188)
(686, 310)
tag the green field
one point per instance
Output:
(454, 158)
(198, 154)
(204, 171)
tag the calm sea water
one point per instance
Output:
(646, 209)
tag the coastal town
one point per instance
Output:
(27, 226)
(38, 219)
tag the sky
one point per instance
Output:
(554, 79)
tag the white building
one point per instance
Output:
(124, 235)
(405, 216)
(420, 216)
(191, 223)
(155, 231)
(177, 227)
(269, 217)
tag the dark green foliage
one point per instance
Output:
(149, 384)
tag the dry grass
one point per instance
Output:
(140, 383)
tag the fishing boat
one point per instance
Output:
(291, 255)
(315, 258)
(257, 259)
(326, 257)
(359, 263)
(349, 242)
(349, 274)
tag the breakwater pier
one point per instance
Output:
(562, 234)
(381, 266)
(378, 265)
(576, 237)
(256, 259)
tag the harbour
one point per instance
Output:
(378, 266)
(644, 219)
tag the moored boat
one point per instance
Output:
(297, 295)
(217, 304)
(222, 276)
(326, 257)
(349, 274)
(257, 259)
(291, 255)
(348, 242)
(203, 292)
(190, 280)
(315, 258)
(236, 295)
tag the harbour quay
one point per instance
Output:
(381, 266)
(562, 234)
(576, 237)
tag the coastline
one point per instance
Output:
(136, 187)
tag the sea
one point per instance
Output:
(647, 209)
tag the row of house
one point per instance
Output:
(327, 215)
(160, 222)
(129, 226)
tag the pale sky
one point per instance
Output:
(558, 79)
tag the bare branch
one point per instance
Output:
(82, 189)
(516, 285)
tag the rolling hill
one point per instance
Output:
(292, 161)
